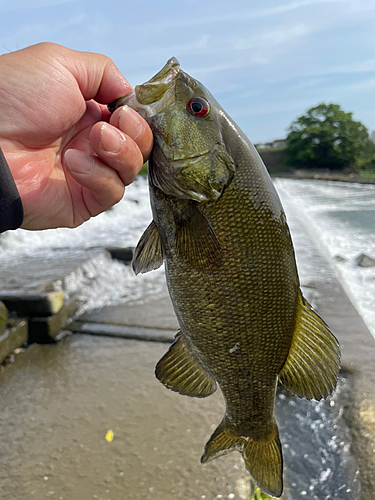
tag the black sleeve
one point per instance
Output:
(11, 211)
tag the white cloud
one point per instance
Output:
(35, 4)
(39, 32)
(287, 7)
(272, 108)
(350, 68)
(311, 82)
(201, 44)
(364, 85)
(271, 37)
(239, 15)
(233, 52)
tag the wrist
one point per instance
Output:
(11, 210)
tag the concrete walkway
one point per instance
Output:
(59, 401)
(58, 404)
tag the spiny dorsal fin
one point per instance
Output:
(179, 371)
(263, 457)
(196, 241)
(312, 367)
(148, 254)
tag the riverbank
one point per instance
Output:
(361, 177)
(276, 162)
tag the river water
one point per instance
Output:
(103, 281)
(341, 218)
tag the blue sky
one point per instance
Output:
(265, 62)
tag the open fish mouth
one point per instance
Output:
(152, 91)
(167, 74)
(145, 97)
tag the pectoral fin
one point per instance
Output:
(196, 241)
(312, 367)
(148, 254)
(179, 371)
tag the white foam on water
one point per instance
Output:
(101, 281)
(341, 218)
(122, 225)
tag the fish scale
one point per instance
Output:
(241, 309)
(221, 232)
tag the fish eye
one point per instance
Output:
(197, 106)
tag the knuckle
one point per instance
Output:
(117, 197)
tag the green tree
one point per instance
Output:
(326, 136)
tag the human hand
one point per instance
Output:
(69, 157)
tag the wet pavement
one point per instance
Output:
(59, 401)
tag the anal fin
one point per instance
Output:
(312, 367)
(148, 254)
(180, 372)
(263, 457)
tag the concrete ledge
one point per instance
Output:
(156, 314)
(47, 330)
(32, 303)
(122, 331)
(35, 286)
(125, 255)
(3, 318)
(360, 416)
(14, 336)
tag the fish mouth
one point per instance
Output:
(144, 98)
(167, 74)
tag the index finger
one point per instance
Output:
(133, 125)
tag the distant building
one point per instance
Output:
(373, 136)
(278, 143)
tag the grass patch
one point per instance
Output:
(259, 495)
(367, 174)
(144, 168)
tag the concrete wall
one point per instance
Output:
(274, 159)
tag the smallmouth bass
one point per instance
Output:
(220, 229)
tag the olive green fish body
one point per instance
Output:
(221, 231)
(240, 316)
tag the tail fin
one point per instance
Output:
(263, 457)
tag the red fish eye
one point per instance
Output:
(198, 107)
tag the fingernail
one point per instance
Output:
(79, 162)
(111, 139)
(130, 122)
